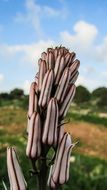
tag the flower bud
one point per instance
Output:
(62, 86)
(50, 128)
(60, 133)
(59, 67)
(16, 178)
(62, 51)
(56, 53)
(74, 77)
(50, 60)
(43, 56)
(46, 88)
(69, 57)
(67, 100)
(33, 149)
(74, 67)
(32, 99)
(59, 173)
(42, 71)
(36, 78)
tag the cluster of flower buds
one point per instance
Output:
(16, 178)
(50, 97)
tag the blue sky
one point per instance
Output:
(28, 27)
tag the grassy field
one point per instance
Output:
(88, 160)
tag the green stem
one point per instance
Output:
(42, 177)
(43, 172)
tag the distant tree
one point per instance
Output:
(25, 102)
(4, 95)
(17, 93)
(82, 95)
(102, 102)
(97, 93)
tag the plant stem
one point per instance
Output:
(42, 177)
(43, 173)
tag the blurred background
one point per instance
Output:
(27, 28)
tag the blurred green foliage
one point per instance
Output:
(90, 117)
(82, 95)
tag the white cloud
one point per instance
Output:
(83, 38)
(88, 70)
(101, 51)
(25, 53)
(85, 42)
(104, 73)
(1, 77)
(88, 82)
(36, 12)
(26, 86)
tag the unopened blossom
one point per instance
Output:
(46, 88)
(67, 100)
(33, 149)
(42, 71)
(49, 135)
(16, 178)
(33, 99)
(59, 67)
(62, 86)
(59, 173)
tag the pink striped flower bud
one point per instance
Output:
(33, 102)
(74, 67)
(62, 86)
(67, 100)
(42, 71)
(32, 99)
(36, 78)
(46, 88)
(56, 53)
(59, 173)
(74, 77)
(69, 58)
(59, 67)
(43, 56)
(50, 60)
(33, 149)
(16, 178)
(51, 123)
